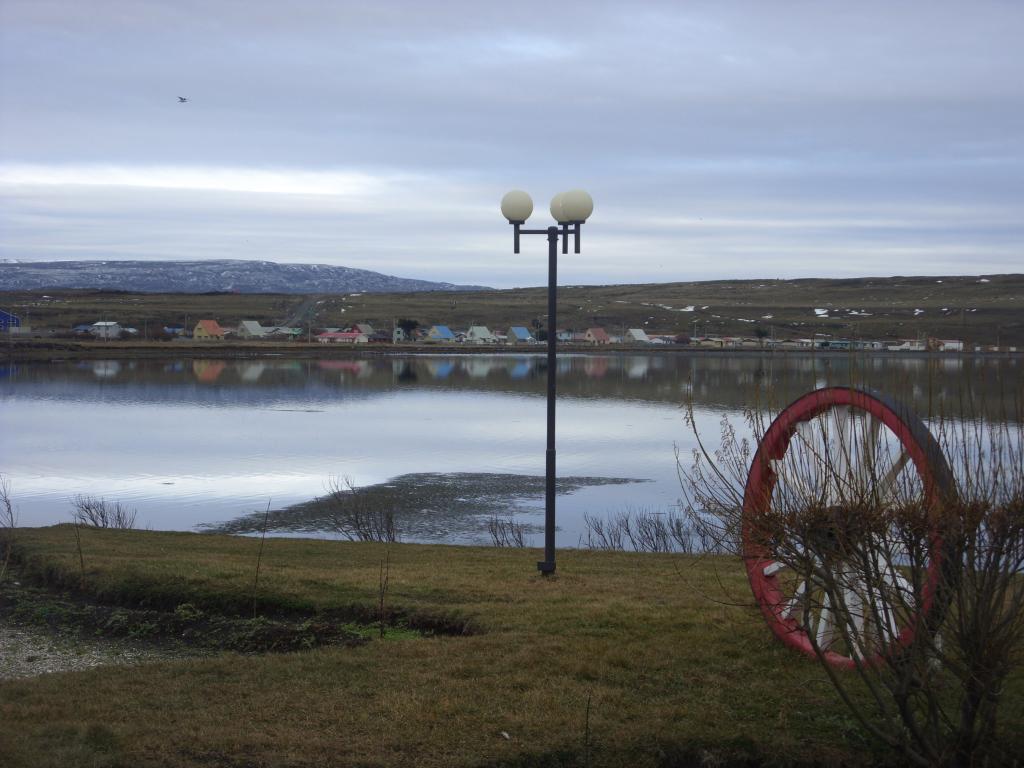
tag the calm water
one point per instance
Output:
(197, 442)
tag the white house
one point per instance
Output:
(106, 330)
(908, 345)
(479, 334)
(949, 345)
(634, 335)
(251, 329)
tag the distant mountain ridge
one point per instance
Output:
(235, 275)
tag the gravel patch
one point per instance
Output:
(31, 651)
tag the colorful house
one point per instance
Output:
(208, 330)
(251, 329)
(519, 334)
(342, 337)
(8, 321)
(480, 334)
(597, 336)
(440, 334)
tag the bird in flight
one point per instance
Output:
(182, 99)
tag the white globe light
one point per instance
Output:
(516, 206)
(557, 213)
(577, 205)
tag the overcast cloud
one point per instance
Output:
(718, 139)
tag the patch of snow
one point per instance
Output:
(688, 308)
(705, 307)
(918, 312)
(767, 317)
(984, 280)
(821, 312)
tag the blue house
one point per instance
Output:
(517, 334)
(8, 321)
(440, 333)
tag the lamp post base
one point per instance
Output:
(546, 567)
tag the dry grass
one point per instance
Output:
(672, 677)
(958, 307)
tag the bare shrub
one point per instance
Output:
(99, 513)
(506, 533)
(639, 530)
(8, 523)
(353, 515)
(903, 576)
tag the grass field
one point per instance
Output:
(987, 310)
(622, 659)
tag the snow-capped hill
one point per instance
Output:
(206, 276)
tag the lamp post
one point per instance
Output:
(570, 210)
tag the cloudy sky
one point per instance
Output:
(718, 139)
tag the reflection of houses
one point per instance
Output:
(595, 367)
(250, 372)
(208, 371)
(440, 334)
(251, 329)
(597, 336)
(106, 330)
(478, 368)
(104, 369)
(518, 334)
(342, 337)
(208, 330)
(480, 334)
(440, 369)
(636, 335)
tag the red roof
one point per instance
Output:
(598, 334)
(212, 327)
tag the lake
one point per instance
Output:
(198, 444)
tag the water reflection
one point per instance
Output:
(193, 442)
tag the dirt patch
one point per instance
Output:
(426, 506)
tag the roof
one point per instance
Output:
(252, 326)
(519, 332)
(598, 333)
(341, 335)
(441, 332)
(479, 330)
(212, 327)
(105, 324)
(638, 333)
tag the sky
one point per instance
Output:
(718, 139)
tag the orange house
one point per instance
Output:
(207, 330)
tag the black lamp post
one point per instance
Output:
(570, 210)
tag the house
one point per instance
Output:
(251, 329)
(946, 345)
(440, 334)
(518, 334)
(8, 321)
(282, 331)
(342, 337)
(596, 336)
(636, 335)
(479, 334)
(207, 330)
(364, 328)
(380, 337)
(398, 335)
(907, 345)
(564, 334)
(106, 329)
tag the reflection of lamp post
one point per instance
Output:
(570, 210)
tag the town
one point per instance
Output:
(412, 332)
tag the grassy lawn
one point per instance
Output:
(673, 676)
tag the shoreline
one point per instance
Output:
(35, 350)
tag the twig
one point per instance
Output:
(259, 558)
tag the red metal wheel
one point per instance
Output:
(829, 455)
